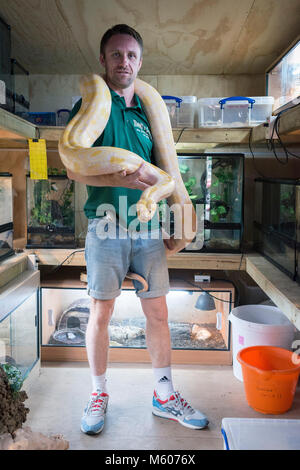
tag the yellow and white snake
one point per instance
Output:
(78, 155)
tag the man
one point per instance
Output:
(108, 260)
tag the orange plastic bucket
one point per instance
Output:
(270, 377)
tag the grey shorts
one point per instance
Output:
(109, 259)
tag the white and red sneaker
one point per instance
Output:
(92, 421)
(178, 409)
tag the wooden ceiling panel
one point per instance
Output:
(193, 37)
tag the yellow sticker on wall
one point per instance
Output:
(38, 159)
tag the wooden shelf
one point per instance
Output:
(284, 292)
(14, 132)
(200, 136)
(289, 127)
(208, 261)
(192, 136)
(12, 267)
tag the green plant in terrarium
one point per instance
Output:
(221, 204)
(49, 210)
(190, 183)
(287, 201)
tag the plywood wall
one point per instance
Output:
(53, 92)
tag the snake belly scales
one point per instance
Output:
(78, 155)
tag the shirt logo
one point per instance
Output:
(142, 129)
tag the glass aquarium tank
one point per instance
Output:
(51, 212)
(283, 78)
(6, 216)
(19, 338)
(198, 320)
(277, 222)
(215, 184)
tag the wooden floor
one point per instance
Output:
(58, 396)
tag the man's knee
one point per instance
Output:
(101, 311)
(155, 309)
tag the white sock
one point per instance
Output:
(163, 382)
(99, 383)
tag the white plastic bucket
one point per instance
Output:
(258, 325)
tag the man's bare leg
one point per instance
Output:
(166, 402)
(97, 337)
(157, 331)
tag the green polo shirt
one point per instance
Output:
(127, 128)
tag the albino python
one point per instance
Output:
(78, 155)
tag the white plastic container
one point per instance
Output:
(209, 112)
(186, 111)
(236, 111)
(258, 325)
(261, 110)
(261, 434)
(173, 105)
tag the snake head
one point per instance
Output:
(145, 209)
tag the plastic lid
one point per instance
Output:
(189, 99)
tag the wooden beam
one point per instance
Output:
(233, 135)
(12, 267)
(14, 127)
(284, 292)
(288, 126)
(206, 261)
(131, 355)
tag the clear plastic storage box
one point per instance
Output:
(173, 104)
(235, 111)
(186, 111)
(261, 434)
(181, 110)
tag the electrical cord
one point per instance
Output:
(276, 127)
(56, 268)
(180, 134)
(271, 143)
(273, 146)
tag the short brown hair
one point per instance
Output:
(121, 29)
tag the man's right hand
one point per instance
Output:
(142, 178)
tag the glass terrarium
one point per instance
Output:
(277, 222)
(21, 87)
(198, 320)
(19, 339)
(51, 212)
(6, 200)
(6, 216)
(283, 79)
(215, 184)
